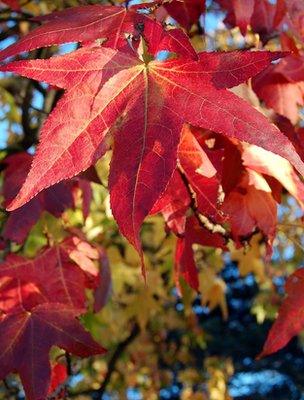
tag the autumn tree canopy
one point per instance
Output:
(144, 145)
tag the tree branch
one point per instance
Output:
(112, 364)
(203, 221)
(115, 357)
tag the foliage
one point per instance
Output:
(154, 154)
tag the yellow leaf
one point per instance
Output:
(250, 260)
(213, 290)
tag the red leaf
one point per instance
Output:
(173, 204)
(243, 11)
(27, 338)
(200, 173)
(98, 278)
(281, 87)
(228, 69)
(58, 377)
(248, 207)
(103, 289)
(87, 24)
(87, 195)
(239, 12)
(272, 165)
(20, 221)
(16, 169)
(54, 200)
(16, 295)
(232, 167)
(85, 256)
(77, 24)
(295, 10)
(280, 12)
(290, 319)
(184, 259)
(13, 4)
(132, 96)
(185, 265)
(294, 134)
(263, 16)
(186, 12)
(57, 277)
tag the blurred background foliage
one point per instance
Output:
(161, 345)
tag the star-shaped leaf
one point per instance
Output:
(54, 272)
(142, 106)
(27, 338)
(116, 27)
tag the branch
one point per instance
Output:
(69, 364)
(115, 357)
(12, 391)
(112, 364)
(10, 18)
(203, 221)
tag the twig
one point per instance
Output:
(13, 391)
(291, 225)
(112, 364)
(69, 364)
(115, 357)
(203, 221)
